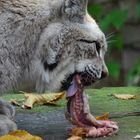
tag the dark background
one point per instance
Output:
(120, 21)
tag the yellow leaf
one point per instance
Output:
(41, 99)
(9, 137)
(103, 117)
(75, 138)
(20, 135)
(124, 96)
(78, 131)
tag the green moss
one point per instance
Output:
(101, 100)
(36, 108)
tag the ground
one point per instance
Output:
(49, 121)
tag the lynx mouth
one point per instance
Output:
(86, 80)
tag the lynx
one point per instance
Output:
(45, 43)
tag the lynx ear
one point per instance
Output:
(74, 9)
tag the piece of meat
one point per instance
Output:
(79, 112)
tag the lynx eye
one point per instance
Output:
(86, 41)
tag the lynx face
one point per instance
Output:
(73, 45)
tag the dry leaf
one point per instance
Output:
(14, 102)
(103, 117)
(125, 96)
(9, 137)
(20, 135)
(41, 99)
(75, 138)
(78, 131)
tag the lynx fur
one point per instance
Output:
(42, 42)
(7, 113)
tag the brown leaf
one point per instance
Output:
(105, 116)
(14, 102)
(75, 138)
(41, 99)
(78, 131)
(20, 135)
(124, 96)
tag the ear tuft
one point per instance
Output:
(75, 9)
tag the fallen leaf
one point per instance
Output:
(124, 96)
(105, 116)
(20, 135)
(78, 131)
(14, 102)
(41, 99)
(137, 137)
(75, 138)
(9, 137)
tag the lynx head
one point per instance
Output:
(72, 44)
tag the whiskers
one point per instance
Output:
(110, 35)
(109, 38)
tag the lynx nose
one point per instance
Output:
(104, 73)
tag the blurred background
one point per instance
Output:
(120, 21)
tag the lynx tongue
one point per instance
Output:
(74, 86)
